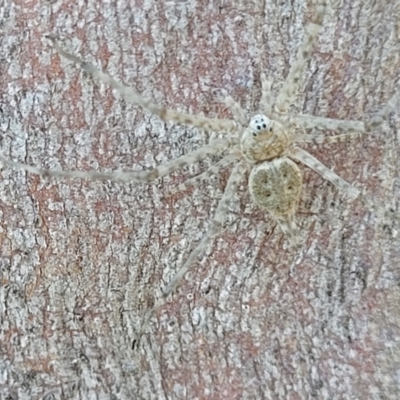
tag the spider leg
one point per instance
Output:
(289, 228)
(236, 110)
(316, 165)
(214, 229)
(267, 97)
(310, 121)
(311, 162)
(342, 138)
(213, 170)
(382, 115)
(291, 85)
(213, 124)
(320, 138)
(139, 176)
(354, 129)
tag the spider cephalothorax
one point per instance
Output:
(264, 140)
(268, 147)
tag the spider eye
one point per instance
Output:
(270, 129)
(260, 124)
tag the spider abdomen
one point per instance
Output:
(276, 186)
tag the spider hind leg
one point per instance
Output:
(213, 230)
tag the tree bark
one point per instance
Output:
(83, 262)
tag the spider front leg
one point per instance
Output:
(213, 124)
(320, 138)
(214, 147)
(236, 110)
(214, 229)
(291, 85)
(267, 98)
(310, 122)
(355, 129)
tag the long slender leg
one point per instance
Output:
(320, 138)
(290, 229)
(342, 138)
(311, 162)
(219, 125)
(236, 110)
(215, 147)
(354, 129)
(214, 229)
(267, 97)
(213, 170)
(310, 121)
(382, 115)
(290, 87)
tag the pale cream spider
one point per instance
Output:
(265, 146)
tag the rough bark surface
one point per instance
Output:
(82, 262)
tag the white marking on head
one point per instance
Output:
(260, 124)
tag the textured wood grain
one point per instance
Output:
(81, 262)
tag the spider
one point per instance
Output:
(266, 147)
